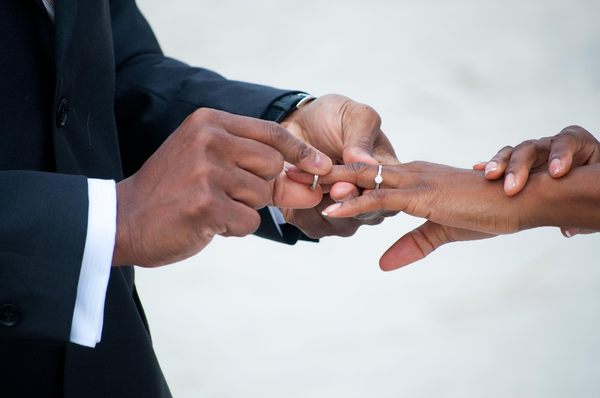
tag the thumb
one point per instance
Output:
(422, 241)
(361, 127)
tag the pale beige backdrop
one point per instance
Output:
(518, 316)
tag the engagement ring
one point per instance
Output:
(378, 177)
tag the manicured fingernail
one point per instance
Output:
(331, 209)
(568, 233)
(555, 166)
(509, 182)
(491, 167)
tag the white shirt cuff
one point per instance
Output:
(277, 217)
(88, 315)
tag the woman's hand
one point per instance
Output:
(460, 205)
(442, 194)
(572, 147)
(414, 188)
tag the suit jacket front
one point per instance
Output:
(91, 96)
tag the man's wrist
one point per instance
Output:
(285, 105)
(86, 326)
(120, 253)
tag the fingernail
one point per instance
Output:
(480, 164)
(331, 209)
(509, 182)
(292, 169)
(568, 233)
(555, 166)
(321, 160)
(491, 167)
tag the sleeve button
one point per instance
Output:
(9, 315)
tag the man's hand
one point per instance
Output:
(347, 132)
(208, 178)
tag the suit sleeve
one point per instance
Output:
(154, 93)
(42, 238)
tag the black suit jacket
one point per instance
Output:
(91, 96)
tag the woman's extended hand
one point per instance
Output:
(443, 194)
(461, 205)
(419, 189)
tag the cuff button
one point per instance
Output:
(9, 315)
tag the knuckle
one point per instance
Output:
(303, 151)
(416, 164)
(274, 132)
(277, 160)
(423, 242)
(377, 220)
(202, 204)
(252, 223)
(524, 149)
(574, 133)
(345, 108)
(202, 115)
(358, 167)
(208, 139)
(216, 141)
(348, 230)
(367, 111)
(572, 129)
(274, 165)
(243, 225)
(376, 118)
(425, 187)
(378, 196)
(315, 234)
(264, 194)
(206, 172)
(503, 153)
(527, 144)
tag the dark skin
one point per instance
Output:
(574, 146)
(461, 205)
(347, 132)
(214, 172)
(208, 178)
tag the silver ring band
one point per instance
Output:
(314, 183)
(378, 178)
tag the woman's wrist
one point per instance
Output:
(573, 200)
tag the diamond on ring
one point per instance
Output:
(378, 177)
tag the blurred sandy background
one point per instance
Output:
(517, 316)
